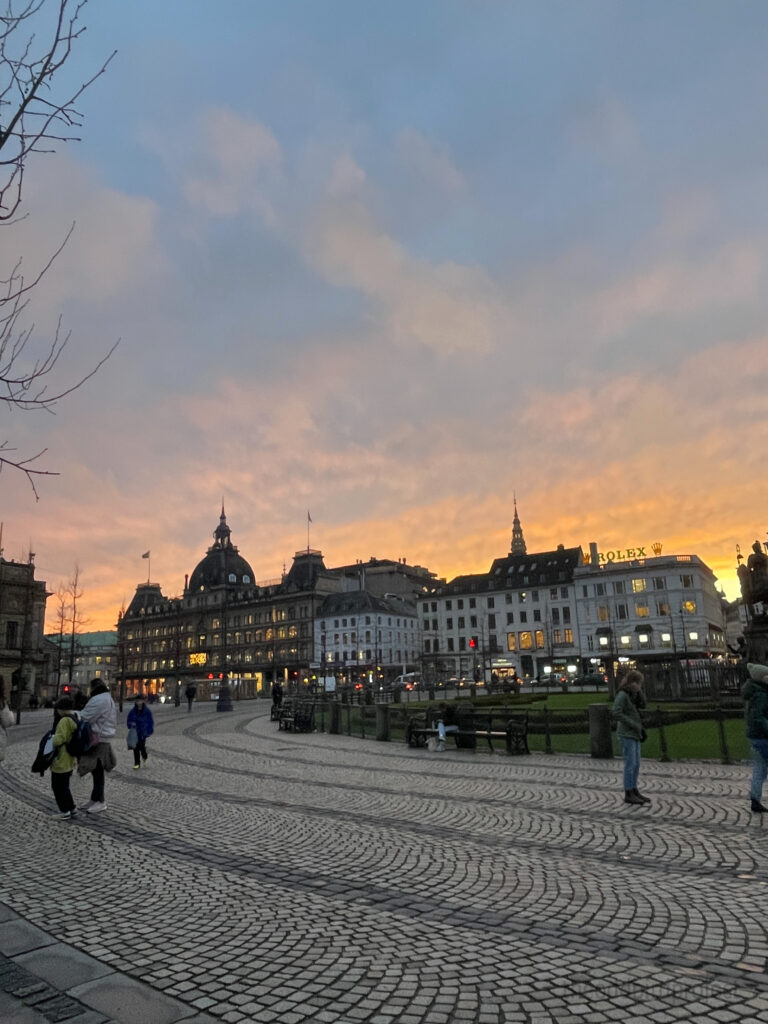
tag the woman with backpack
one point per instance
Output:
(100, 712)
(63, 763)
(140, 719)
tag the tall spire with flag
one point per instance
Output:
(518, 540)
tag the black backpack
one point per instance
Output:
(43, 760)
(81, 739)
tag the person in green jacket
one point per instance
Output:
(64, 763)
(629, 728)
(755, 694)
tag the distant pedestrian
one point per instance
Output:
(755, 694)
(190, 693)
(64, 763)
(6, 719)
(277, 694)
(626, 713)
(101, 713)
(140, 718)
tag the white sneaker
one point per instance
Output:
(94, 808)
(62, 815)
(85, 806)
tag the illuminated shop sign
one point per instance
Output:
(198, 659)
(627, 554)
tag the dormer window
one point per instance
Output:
(246, 579)
(232, 578)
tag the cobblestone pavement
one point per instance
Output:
(247, 874)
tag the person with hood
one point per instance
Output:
(101, 713)
(629, 728)
(140, 718)
(62, 766)
(755, 694)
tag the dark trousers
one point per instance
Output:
(60, 787)
(189, 703)
(140, 751)
(97, 792)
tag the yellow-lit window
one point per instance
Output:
(638, 586)
(602, 613)
(539, 638)
(511, 642)
(641, 609)
(526, 641)
(689, 606)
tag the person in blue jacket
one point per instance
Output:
(140, 718)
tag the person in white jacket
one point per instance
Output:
(101, 713)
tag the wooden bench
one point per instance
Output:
(297, 716)
(512, 729)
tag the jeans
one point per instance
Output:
(760, 767)
(60, 787)
(140, 751)
(97, 793)
(630, 751)
(442, 729)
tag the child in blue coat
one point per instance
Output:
(140, 718)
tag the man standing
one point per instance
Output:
(100, 712)
(190, 693)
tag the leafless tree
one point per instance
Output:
(62, 620)
(76, 620)
(36, 39)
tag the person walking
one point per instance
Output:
(64, 763)
(101, 713)
(755, 694)
(140, 718)
(190, 693)
(6, 720)
(629, 728)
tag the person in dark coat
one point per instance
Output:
(755, 694)
(140, 718)
(190, 693)
(626, 710)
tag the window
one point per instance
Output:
(618, 587)
(564, 593)
(621, 611)
(535, 596)
(523, 616)
(599, 589)
(526, 641)
(602, 613)
(553, 593)
(557, 636)
(662, 607)
(584, 591)
(687, 582)
(450, 643)
(448, 606)
(472, 602)
(473, 621)
(537, 614)
(434, 606)
(462, 643)
(491, 622)
(625, 641)
(666, 640)
(689, 607)
(461, 622)
(569, 636)
(11, 634)
(449, 623)
(566, 615)
(539, 634)
(555, 616)
(642, 610)
(491, 602)
(658, 582)
(460, 604)
(511, 642)
(510, 618)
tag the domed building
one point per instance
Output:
(223, 564)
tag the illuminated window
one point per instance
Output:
(641, 609)
(642, 638)
(569, 636)
(602, 613)
(626, 641)
(526, 641)
(539, 638)
(557, 636)
(511, 642)
(693, 635)
(689, 606)
(638, 586)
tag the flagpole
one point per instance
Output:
(309, 520)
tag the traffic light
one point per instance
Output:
(66, 687)
(473, 642)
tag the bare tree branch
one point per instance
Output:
(36, 40)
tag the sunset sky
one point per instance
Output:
(392, 263)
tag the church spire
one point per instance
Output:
(518, 540)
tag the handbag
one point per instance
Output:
(7, 717)
(132, 739)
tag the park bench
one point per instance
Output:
(511, 727)
(297, 716)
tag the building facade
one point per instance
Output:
(225, 626)
(24, 655)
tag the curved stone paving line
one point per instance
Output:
(279, 947)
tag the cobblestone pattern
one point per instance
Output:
(53, 1005)
(315, 878)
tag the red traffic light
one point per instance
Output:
(473, 641)
(210, 675)
(66, 688)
